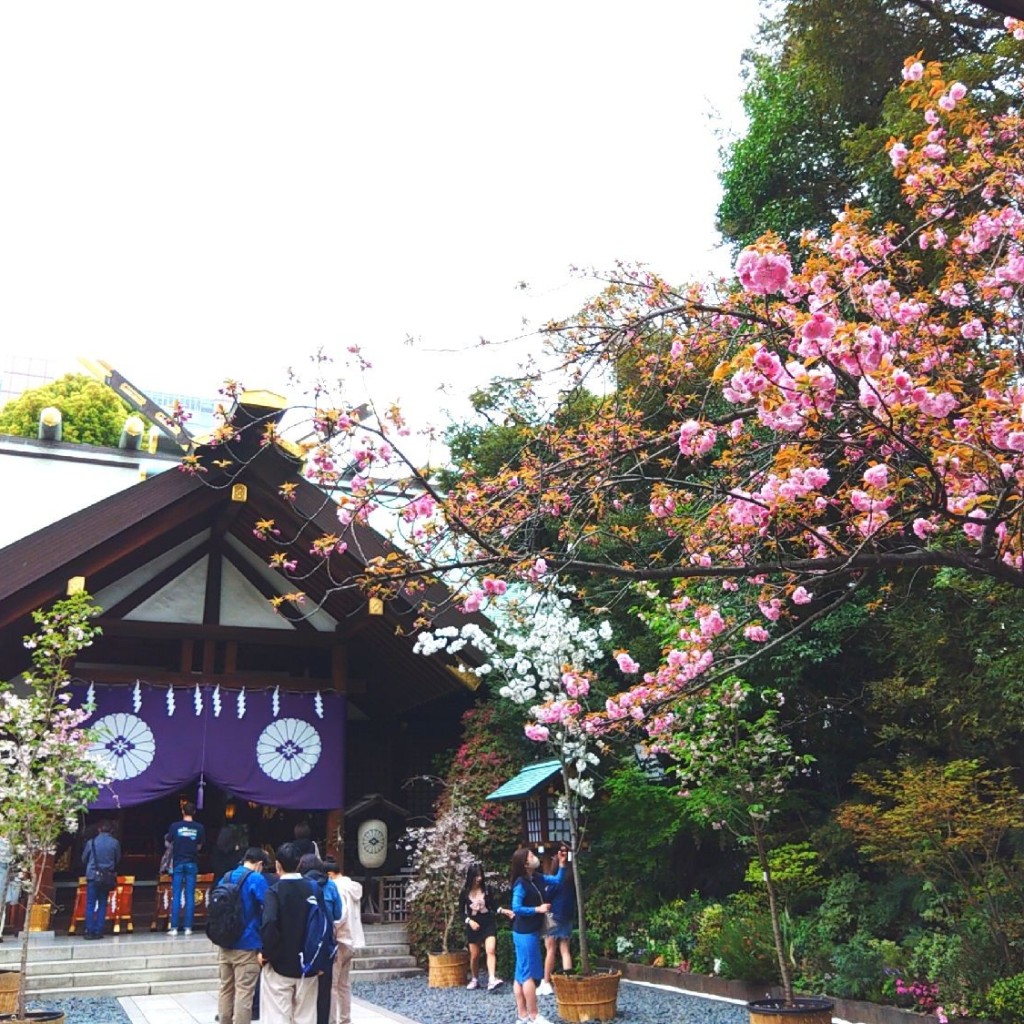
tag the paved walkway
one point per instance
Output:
(201, 1008)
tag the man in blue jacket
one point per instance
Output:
(100, 857)
(239, 967)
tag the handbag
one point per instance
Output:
(106, 878)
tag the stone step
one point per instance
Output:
(147, 964)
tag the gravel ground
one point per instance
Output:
(638, 1004)
(85, 1009)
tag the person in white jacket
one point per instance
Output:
(349, 933)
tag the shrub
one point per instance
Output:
(1005, 1000)
(858, 967)
(705, 942)
(746, 945)
(611, 906)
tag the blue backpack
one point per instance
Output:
(319, 947)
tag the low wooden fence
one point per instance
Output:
(384, 899)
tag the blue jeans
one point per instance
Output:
(95, 908)
(184, 876)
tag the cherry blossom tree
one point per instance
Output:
(834, 414)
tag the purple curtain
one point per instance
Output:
(276, 748)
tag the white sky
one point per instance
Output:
(207, 189)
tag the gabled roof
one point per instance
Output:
(175, 530)
(527, 782)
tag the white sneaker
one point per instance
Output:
(539, 1020)
(473, 983)
(544, 989)
(494, 983)
(188, 931)
(172, 933)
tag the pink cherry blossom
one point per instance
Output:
(923, 528)
(802, 596)
(877, 476)
(913, 72)
(626, 663)
(763, 273)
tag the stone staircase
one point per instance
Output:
(150, 964)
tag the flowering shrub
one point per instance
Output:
(439, 858)
(49, 775)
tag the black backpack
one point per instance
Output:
(225, 913)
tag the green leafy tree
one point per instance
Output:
(91, 412)
(821, 98)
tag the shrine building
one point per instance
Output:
(203, 691)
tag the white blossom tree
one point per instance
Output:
(544, 656)
(48, 774)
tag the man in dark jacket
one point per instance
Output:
(238, 967)
(286, 997)
(100, 857)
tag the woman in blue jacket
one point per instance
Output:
(528, 913)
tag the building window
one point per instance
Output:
(533, 833)
(558, 828)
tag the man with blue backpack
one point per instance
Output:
(234, 917)
(298, 944)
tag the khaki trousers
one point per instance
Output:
(341, 985)
(286, 1000)
(239, 972)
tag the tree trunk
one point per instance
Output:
(574, 834)
(780, 949)
(30, 902)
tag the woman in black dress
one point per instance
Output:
(478, 908)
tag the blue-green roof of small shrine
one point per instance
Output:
(529, 779)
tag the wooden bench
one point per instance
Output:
(164, 892)
(119, 905)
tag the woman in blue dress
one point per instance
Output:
(528, 917)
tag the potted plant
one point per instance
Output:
(49, 776)
(543, 655)
(440, 857)
(733, 763)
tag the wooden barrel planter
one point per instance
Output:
(587, 997)
(34, 1017)
(9, 982)
(447, 970)
(800, 1011)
